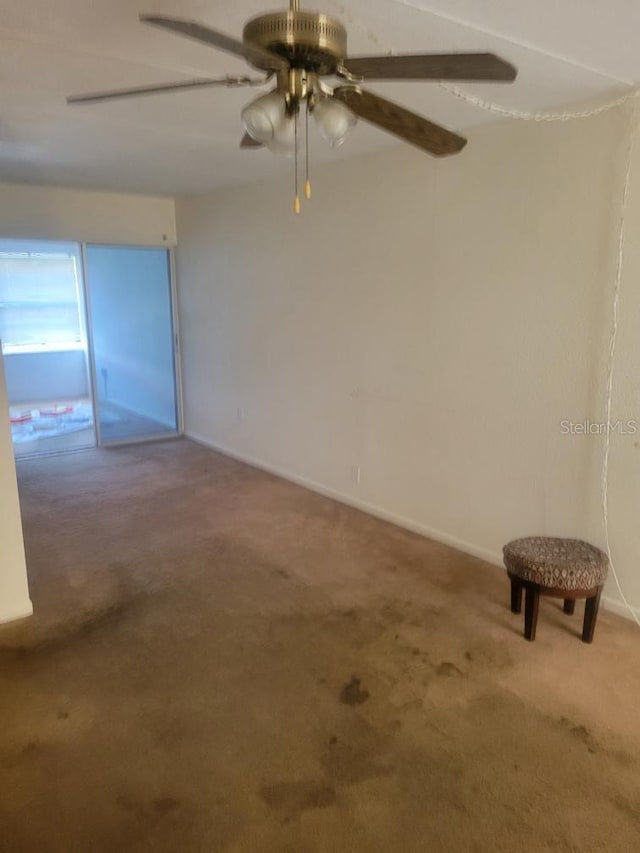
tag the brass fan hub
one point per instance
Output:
(309, 40)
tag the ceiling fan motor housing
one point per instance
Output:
(309, 40)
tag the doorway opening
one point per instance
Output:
(44, 346)
(89, 345)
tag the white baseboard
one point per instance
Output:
(20, 611)
(352, 501)
(612, 604)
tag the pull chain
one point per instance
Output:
(296, 200)
(307, 183)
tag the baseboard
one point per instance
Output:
(15, 613)
(614, 605)
(611, 604)
(345, 498)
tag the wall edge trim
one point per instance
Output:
(610, 604)
(350, 500)
(614, 605)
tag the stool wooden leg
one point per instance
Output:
(516, 596)
(590, 617)
(531, 602)
(570, 606)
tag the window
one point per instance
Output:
(39, 298)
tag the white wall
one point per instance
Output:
(48, 213)
(14, 591)
(430, 323)
(41, 376)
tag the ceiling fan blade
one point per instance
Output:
(401, 122)
(198, 83)
(249, 142)
(433, 66)
(256, 55)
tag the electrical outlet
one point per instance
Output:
(355, 474)
(242, 414)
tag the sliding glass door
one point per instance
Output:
(132, 337)
(44, 345)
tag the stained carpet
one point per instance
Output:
(222, 661)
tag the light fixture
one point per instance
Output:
(263, 117)
(335, 121)
(273, 120)
(284, 139)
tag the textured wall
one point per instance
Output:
(430, 323)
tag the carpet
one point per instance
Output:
(222, 661)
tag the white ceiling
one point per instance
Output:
(567, 51)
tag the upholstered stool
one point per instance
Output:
(562, 568)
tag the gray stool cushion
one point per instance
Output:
(556, 563)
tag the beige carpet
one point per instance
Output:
(221, 661)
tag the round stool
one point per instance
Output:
(562, 568)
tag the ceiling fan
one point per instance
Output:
(298, 49)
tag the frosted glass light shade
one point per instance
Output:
(284, 140)
(335, 121)
(263, 117)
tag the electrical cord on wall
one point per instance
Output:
(632, 98)
(633, 119)
(544, 115)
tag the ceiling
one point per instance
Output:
(566, 52)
